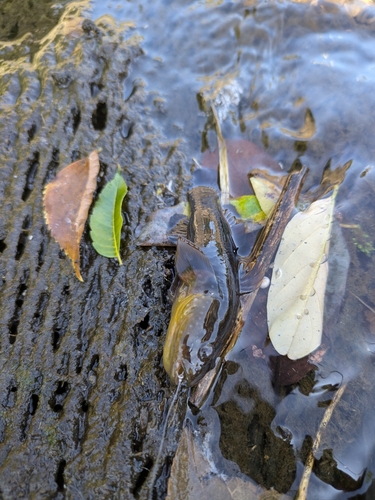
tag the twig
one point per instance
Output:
(304, 484)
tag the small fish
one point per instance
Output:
(206, 291)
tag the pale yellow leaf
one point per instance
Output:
(296, 298)
(267, 192)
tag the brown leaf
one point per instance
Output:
(67, 199)
(243, 157)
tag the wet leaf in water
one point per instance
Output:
(67, 199)
(248, 208)
(106, 219)
(266, 192)
(296, 298)
(243, 157)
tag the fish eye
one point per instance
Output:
(204, 352)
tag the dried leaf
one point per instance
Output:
(296, 298)
(106, 219)
(67, 200)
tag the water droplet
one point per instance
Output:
(312, 293)
(278, 273)
(306, 311)
(298, 316)
(265, 282)
(303, 296)
(67, 220)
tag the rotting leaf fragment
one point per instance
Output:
(67, 200)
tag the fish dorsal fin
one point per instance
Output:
(231, 219)
(191, 263)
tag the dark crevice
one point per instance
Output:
(121, 373)
(31, 132)
(94, 363)
(76, 155)
(52, 166)
(14, 322)
(76, 115)
(142, 477)
(31, 173)
(59, 329)
(10, 398)
(99, 116)
(59, 478)
(56, 402)
(145, 323)
(22, 240)
(95, 88)
(39, 313)
(147, 287)
(42, 249)
(84, 406)
(3, 246)
(33, 404)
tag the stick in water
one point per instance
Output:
(304, 484)
(170, 414)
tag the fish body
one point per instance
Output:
(206, 299)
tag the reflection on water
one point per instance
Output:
(297, 80)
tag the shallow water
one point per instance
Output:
(296, 80)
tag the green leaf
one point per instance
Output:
(106, 219)
(248, 207)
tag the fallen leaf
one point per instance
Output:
(67, 199)
(267, 192)
(243, 157)
(295, 303)
(248, 208)
(106, 219)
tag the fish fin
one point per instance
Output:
(178, 229)
(248, 280)
(191, 261)
(231, 219)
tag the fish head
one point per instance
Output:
(189, 350)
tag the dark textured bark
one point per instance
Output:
(83, 391)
